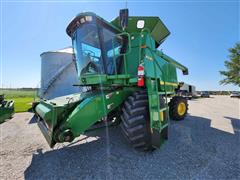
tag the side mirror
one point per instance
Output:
(121, 45)
(125, 43)
(123, 18)
(124, 48)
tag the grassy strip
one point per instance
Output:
(23, 104)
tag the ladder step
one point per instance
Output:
(163, 109)
(166, 93)
(165, 125)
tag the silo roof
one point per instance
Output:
(68, 50)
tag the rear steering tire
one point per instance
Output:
(178, 108)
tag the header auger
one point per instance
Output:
(126, 79)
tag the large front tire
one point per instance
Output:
(136, 122)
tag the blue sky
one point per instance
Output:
(201, 33)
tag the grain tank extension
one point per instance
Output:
(127, 81)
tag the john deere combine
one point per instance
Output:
(6, 109)
(126, 79)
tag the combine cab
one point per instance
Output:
(6, 109)
(126, 80)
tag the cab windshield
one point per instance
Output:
(96, 49)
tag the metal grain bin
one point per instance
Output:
(58, 74)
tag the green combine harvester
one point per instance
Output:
(6, 109)
(126, 81)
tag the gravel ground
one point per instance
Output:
(206, 145)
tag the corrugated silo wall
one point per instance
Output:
(58, 75)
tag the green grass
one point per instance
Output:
(23, 99)
(22, 104)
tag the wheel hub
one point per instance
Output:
(181, 108)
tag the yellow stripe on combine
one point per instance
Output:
(161, 116)
(168, 83)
